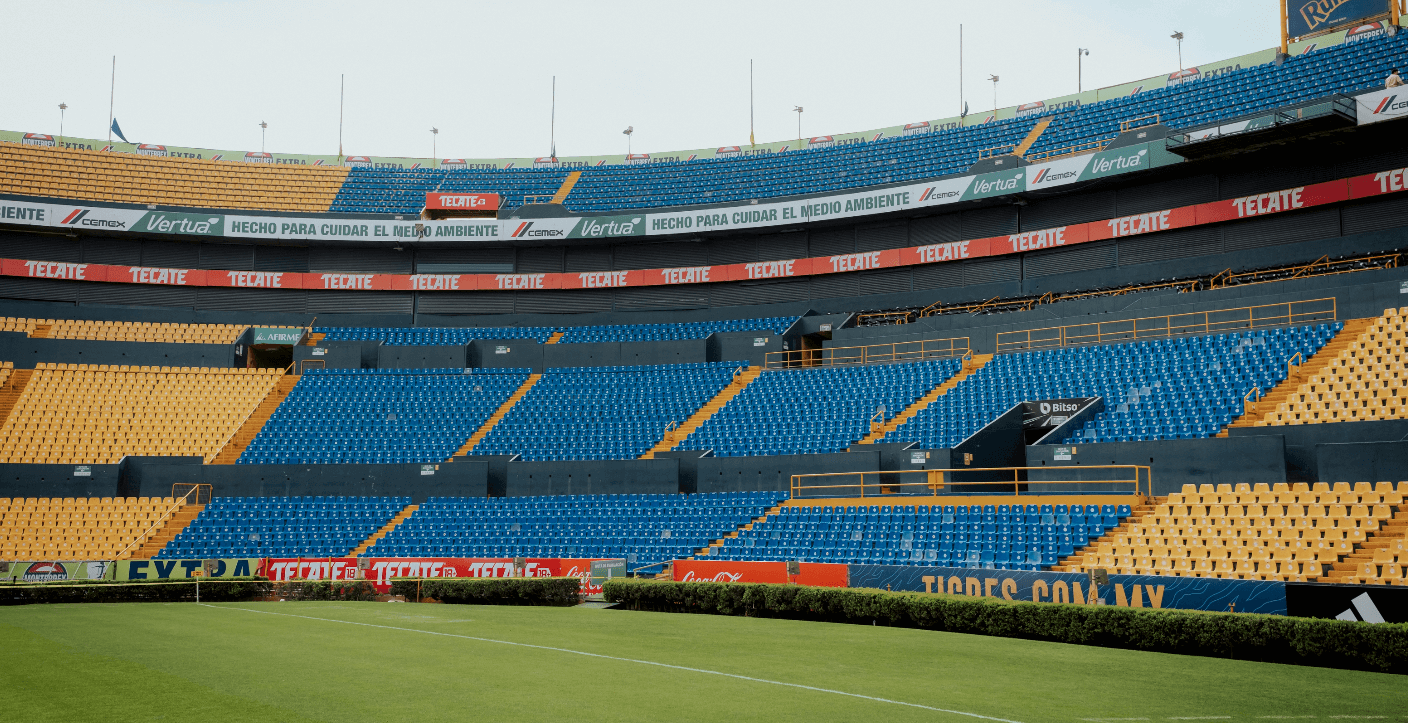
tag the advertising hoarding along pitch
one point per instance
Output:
(1306, 17)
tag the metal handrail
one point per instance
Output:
(937, 480)
(1127, 125)
(162, 520)
(1071, 150)
(1009, 149)
(1323, 266)
(1167, 326)
(900, 351)
(1250, 399)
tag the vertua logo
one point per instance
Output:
(151, 149)
(1119, 163)
(45, 572)
(37, 139)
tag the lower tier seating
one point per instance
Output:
(380, 416)
(82, 528)
(807, 411)
(1286, 532)
(992, 536)
(1184, 388)
(98, 414)
(600, 413)
(282, 527)
(644, 529)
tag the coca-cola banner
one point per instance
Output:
(816, 574)
(382, 570)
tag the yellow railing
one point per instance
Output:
(900, 351)
(1005, 149)
(1062, 152)
(1140, 122)
(934, 482)
(196, 491)
(1162, 327)
(1323, 266)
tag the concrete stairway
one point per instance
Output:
(1136, 517)
(179, 520)
(255, 422)
(1256, 411)
(710, 550)
(710, 408)
(556, 337)
(483, 431)
(12, 390)
(386, 528)
(878, 433)
(312, 338)
(566, 187)
(1035, 133)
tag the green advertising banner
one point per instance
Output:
(276, 335)
(22, 572)
(182, 569)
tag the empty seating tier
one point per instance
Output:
(1286, 532)
(80, 528)
(599, 413)
(433, 336)
(455, 336)
(143, 331)
(282, 526)
(380, 416)
(994, 536)
(97, 414)
(125, 178)
(644, 529)
(1367, 381)
(1182, 388)
(806, 411)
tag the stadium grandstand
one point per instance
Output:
(1156, 330)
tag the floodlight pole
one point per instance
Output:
(1178, 35)
(62, 107)
(1080, 55)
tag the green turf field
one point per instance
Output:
(408, 662)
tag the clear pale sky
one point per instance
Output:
(205, 73)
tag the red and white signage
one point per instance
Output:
(815, 574)
(462, 201)
(382, 570)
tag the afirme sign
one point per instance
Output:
(276, 335)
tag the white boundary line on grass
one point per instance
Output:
(624, 660)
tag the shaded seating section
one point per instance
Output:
(1200, 101)
(1001, 537)
(806, 411)
(1367, 381)
(672, 332)
(380, 416)
(97, 414)
(1182, 388)
(455, 336)
(143, 331)
(1282, 532)
(129, 178)
(644, 529)
(82, 528)
(601, 413)
(21, 324)
(282, 527)
(1386, 566)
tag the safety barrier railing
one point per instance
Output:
(1006, 149)
(1139, 122)
(900, 351)
(1071, 150)
(1133, 478)
(198, 491)
(1171, 325)
(1323, 266)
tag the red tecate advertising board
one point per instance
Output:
(382, 570)
(817, 574)
(462, 201)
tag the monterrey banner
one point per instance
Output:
(54, 571)
(1151, 591)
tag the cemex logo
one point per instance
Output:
(1045, 175)
(79, 217)
(45, 572)
(933, 192)
(718, 577)
(526, 230)
(1389, 104)
(1361, 608)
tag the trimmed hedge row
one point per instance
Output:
(491, 590)
(103, 591)
(353, 590)
(1267, 638)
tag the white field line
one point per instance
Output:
(624, 660)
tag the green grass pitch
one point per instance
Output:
(423, 663)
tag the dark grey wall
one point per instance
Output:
(421, 357)
(606, 354)
(26, 352)
(749, 346)
(58, 480)
(506, 354)
(1304, 440)
(633, 476)
(744, 474)
(338, 354)
(1230, 460)
(1361, 462)
(460, 479)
